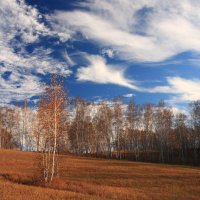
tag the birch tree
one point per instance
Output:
(118, 123)
(52, 115)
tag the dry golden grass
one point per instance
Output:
(84, 178)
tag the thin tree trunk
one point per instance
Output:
(55, 143)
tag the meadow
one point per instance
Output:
(89, 178)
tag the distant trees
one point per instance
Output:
(110, 129)
(37, 131)
(149, 136)
(27, 122)
(118, 125)
(103, 129)
(6, 139)
(181, 136)
(8, 122)
(163, 127)
(81, 128)
(195, 131)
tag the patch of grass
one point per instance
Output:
(85, 178)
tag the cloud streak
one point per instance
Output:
(184, 90)
(144, 31)
(22, 25)
(141, 30)
(99, 71)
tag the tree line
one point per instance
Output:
(108, 129)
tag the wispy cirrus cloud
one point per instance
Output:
(144, 31)
(99, 71)
(141, 30)
(183, 90)
(128, 95)
(19, 87)
(21, 26)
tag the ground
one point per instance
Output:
(84, 178)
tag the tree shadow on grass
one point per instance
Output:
(20, 179)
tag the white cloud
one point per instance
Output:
(183, 89)
(129, 46)
(22, 25)
(141, 30)
(99, 72)
(69, 61)
(109, 52)
(177, 110)
(19, 19)
(19, 87)
(128, 95)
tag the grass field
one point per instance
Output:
(84, 178)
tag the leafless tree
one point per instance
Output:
(118, 124)
(195, 131)
(181, 133)
(51, 115)
(103, 129)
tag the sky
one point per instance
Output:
(142, 49)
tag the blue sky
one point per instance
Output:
(148, 49)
